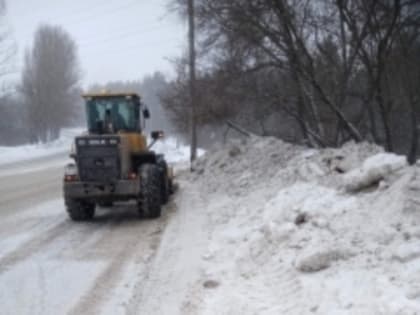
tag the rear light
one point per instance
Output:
(132, 176)
(70, 173)
(70, 178)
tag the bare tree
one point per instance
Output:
(50, 82)
(7, 45)
(341, 69)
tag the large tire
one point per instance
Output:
(165, 190)
(149, 198)
(165, 184)
(171, 186)
(80, 210)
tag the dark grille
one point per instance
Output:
(99, 163)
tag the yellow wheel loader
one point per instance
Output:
(112, 161)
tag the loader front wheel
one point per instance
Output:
(149, 199)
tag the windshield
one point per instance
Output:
(109, 115)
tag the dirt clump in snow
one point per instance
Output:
(301, 218)
(316, 260)
(210, 284)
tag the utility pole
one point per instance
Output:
(193, 119)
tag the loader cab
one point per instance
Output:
(115, 113)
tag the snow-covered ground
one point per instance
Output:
(33, 151)
(260, 227)
(298, 231)
(174, 150)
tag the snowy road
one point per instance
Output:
(116, 264)
(283, 233)
(29, 183)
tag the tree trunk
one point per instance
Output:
(412, 154)
(385, 120)
(191, 35)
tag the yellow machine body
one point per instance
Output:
(136, 142)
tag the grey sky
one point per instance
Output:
(117, 39)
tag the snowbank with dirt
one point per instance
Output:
(174, 150)
(293, 230)
(373, 170)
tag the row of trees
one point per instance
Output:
(320, 72)
(48, 96)
(50, 84)
(8, 106)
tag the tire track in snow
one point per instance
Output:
(10, 228)
(174, 266)
(288, 289)
(137, 242)
(34, 245)
(21, 194)
(19, 198)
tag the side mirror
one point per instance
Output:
(146, 113)
(156, 135)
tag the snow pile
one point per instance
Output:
(174, 150)
(286, 238)
(373, 170)
(33, 151)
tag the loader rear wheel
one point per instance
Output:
(80, 210)
(171, 186)
(165, 189)
(149, 199)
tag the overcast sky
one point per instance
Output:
(117, 39)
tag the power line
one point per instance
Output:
(117, 37)
(106, 12)
(132, 48)
(82, 10)
(89, 18)
(70, 13)
(127, 27)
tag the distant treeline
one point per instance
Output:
(15, 114)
